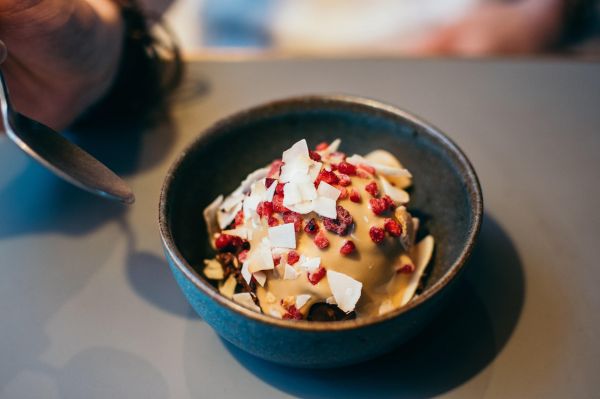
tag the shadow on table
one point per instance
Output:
(462, 341)
(36, 201)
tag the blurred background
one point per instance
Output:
(390, 27)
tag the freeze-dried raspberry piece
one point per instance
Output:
(279, 188)
(227, 243)
(292, 257)
(392, 227)
(314, 156)
(347, 168)
(268, 182)
(345, 180)
(275, 168)
(278, 203)
(272, 221)
(328, 177)
(347, 248)
(377, 234)
(293, 217)
(239, 218)
(321, 240)
(242, 256)
(406, 269)
(265, 209)
(322, 146)
(343, 193)
(311, 227)
(292, 314)
(341, 224)
(372, 189)
(354, 196)
(317, 275)
(381, 205)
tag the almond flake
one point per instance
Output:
(326, 190)
(227, 288)
(290, 273)
(245, 299)
(283, 236)
(301, 300)
(325, 207)
(421, 255)
(345, 290)
(397, 194)
(213, 269)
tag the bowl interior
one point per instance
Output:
(443, 195)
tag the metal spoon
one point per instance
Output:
(61, 156)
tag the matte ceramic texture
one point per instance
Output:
(446, 197)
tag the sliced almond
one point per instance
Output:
(227, 287)
(213, 269)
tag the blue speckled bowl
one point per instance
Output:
(446, 196)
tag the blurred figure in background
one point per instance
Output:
(405, 27)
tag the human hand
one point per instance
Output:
(528, 26)
(61, 56)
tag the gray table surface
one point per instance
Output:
(88, 308)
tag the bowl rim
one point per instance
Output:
(288, 103)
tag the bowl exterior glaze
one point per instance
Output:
(446, 197)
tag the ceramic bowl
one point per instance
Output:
(446, 196)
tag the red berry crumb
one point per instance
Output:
(293, 217)
(293, 314)
(367, 168)
(347, 248)
(311, 227)
(392, 227)
(227, 243)
(277, 260)
(345, 180)
(372, 189)
(314, 156)
(328, 177)
(377, 234)
(292, 257)
(354, 196)
(275, 169)
(342, 224)
(381, 205)
(268, 182)
(265, 209)
(317, 275)
(322, 146)
(343, 193)
(239, 218)
(406, 269)
(279, 188)
(321, 240)
(273, 221)
(278, 203)
(347, 168)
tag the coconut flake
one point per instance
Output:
(301, 300)
(275, 313)
(261, 257)
(326, 190)
(309, 264)
(345, 290)
(291, 194)
(260, 277)
(302, 207)
(290, 273)
(224, 217)
(270, 192)
(298, 150)
(245, 299)
(246, 273)
(210, 218)
(213, 269)
(325, 207)
(397, 194)
(283, 236)
(227, 288)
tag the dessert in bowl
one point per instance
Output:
(346, 302)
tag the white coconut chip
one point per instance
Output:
(290, 273)
(291, 194)
(421, 255)
(246, 273)
(245, 299)
(301, 300)
(261, 257)
(227, 288)
(345, 290)
(326, 190)
(302, 208)
(298, 150)
(213, 269)
(325, 207)
(260, 277)
(309, 264)
(283, 236)
(313, 170)
(210, 218)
